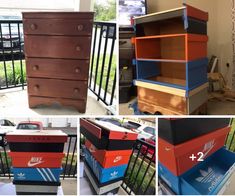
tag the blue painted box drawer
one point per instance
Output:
(104, 174)
(182, 75)
(37, 174)
(207, 178)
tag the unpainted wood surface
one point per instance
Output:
(171, 102)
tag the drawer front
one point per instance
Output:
(57, 88)
(168, 101)
(58, 26)
(92, 128)
(58, 47)
(57, 68)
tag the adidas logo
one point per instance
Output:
(114, 174)
(205, 175)
(21, 175)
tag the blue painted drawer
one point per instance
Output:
(207, 178)
(182, 75)
(104, 174)
(37, 174)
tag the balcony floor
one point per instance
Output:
(69, 186)
(15, 102)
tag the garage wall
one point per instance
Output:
(219, 28)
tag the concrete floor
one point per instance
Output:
(15, 102)
(213, 108)
(69, 186)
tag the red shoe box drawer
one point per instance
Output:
(36, 160)
(176, 130)
(107, 136)
(176, 158)
(36, 141)
(109, 158)
(42, 136)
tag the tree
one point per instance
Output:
(105, 11)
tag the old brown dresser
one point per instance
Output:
(57, 53)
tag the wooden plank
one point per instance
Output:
(161, 99)
(196, 100)
(171, 13)
(169, 80)
(150, 108)
(196, 90)
(173, 70)
(161, 36)
(161, 88)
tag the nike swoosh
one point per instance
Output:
(33, 164)
(117, 159)
(205, 154)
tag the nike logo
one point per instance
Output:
(205, 152)
(35, 161)
(118, 158)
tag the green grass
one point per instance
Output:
(136, 182)
(9, 70)
(105, 71)
(230, 139)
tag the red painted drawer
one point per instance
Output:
(109, 158)
(44, 136)
(100, 128)
(176, 158)
(36, 160)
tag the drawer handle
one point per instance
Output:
(36, 88)
(35, 67)
(77, 70)
(76, 90)
(80, 27)
(33, 26)
(78, 48)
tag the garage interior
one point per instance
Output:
(220, 52)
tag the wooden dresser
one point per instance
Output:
(57, 53)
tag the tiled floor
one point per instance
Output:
(16, 103)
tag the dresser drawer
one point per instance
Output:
(57, 68)
(57, 88)
(57, 47)
(58, 26)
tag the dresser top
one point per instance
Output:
(58, 15)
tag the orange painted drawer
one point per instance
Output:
(176, 47)
(36, 159)
(176, 158)
(109, 158)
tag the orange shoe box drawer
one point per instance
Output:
(108, 158)
(36, 160)
(177, 158)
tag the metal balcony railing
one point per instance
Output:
(140, 176)
(102, 81)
